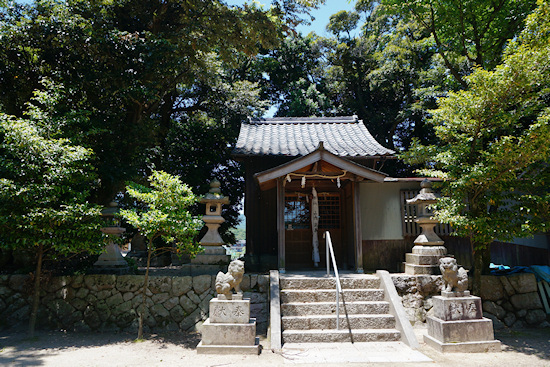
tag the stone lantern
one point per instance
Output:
(111, 260)
(214, 253)
(428, 247)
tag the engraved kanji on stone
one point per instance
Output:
(471, 309)
(220, 311)
(238, 311)
(455, 311)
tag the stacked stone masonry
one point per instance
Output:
(509, 301)
(109, 302)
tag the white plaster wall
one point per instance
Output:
(381, 209)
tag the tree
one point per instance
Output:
(385, 74)
(493, 150)
(467, 33)
(294, 77)
(128, 64)
(44, 187)
(163, 214)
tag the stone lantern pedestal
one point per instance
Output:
(428, 247)
(111, 260)
(214, 257)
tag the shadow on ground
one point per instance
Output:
(526, 341)
(17, 350)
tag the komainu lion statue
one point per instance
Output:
(455, 279)
(232, 279)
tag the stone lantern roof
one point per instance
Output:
(426, 194)
(215, 195)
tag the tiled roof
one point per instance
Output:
(344, 136)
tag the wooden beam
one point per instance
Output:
(281, 224)
(357, 232)
(352, 167)
(319, 155)
(288, 167)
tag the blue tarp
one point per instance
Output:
(542, 272)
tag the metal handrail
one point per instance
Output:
(330, 251)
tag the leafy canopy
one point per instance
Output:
(44, 185)
(493, 150)
(166, 211)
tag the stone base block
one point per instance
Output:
(211, 259)
(415, 259)
(421, 269)
(490, 346)
(197, 269)
(440, 251)
(117, 270)
(455, 294)
(229, 349)
(457, 308)
(460, 331)
(229, 334)
(213, 250)
(229, 311)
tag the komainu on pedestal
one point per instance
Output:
(457, 324)
(229, 328)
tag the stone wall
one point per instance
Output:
(416, 292)
(109, 302)
(510, 301)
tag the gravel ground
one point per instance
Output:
(528, 347)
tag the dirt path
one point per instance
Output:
(529, 347)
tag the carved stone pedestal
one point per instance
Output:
(424, 260)
(212, 255)
(428, 247)
(458, 325)
(229, 329)
(111, 260)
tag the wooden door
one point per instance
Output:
(298, 230)
(330, 212)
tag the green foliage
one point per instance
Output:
(466, 33)
(44, 184)
(295, 80)
(131, 66)
(165, 213)
(493, 147)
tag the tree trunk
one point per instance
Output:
(144, 291)
(482, 259)
(36, 291)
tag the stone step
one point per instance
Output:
(329, 308)
(329, 295)
(366, 281)
(340, 336)
(360, 321)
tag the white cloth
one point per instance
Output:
(315, 227)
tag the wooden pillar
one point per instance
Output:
(357, 226)
(281, 223)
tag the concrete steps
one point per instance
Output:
(303, 283)
(360, 321)
(329, 308)
(325, 295)
(340, 336)
(308, 310)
